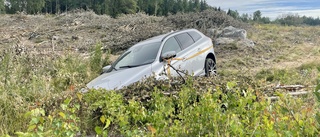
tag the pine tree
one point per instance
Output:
(34, 6)
(117, 7)
(128, 6)
(185, 5)
(178, 6)
(203, 5)
(2, 8)
(16, 6)
(257, 15)
(196, 5)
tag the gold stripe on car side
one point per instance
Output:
(194, 55)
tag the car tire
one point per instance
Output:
(210, 67)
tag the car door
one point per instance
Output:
(172, 44)
(200, 49)
(189, 51)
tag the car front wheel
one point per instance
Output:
(210, 67)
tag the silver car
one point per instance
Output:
(177, 53)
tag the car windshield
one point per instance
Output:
(138, 56)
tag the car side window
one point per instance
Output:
(185, 40)
(171, 45)
(195, 35)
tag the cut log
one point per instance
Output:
(291, 94)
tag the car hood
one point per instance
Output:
(120, 78)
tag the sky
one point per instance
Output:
(271, 8)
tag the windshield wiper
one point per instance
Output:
(132, 66)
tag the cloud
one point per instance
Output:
(271, 8)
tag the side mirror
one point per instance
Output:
(105, 69)
(168, 55)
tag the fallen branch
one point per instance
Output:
(291, 94)
(292, 90)
(289, 87)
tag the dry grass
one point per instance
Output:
(277, 47)
(50, 54)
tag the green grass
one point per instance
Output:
(306, 74)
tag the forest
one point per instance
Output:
(109, 7)
(150, 7)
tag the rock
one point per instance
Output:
(231, 35)
(235, 33)
(246, 42)
(223, 41)
(211, 33)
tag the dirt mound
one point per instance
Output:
(79, 31)
(204, 20)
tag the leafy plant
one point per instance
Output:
(96, 59)
(63, 122)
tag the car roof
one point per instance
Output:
(160, 38)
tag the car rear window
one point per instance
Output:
(185, 40)
(195, 35)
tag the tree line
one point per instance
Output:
(296, 20)
(109, 7)
(285, 19)
(151, 7)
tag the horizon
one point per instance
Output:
(271, 8)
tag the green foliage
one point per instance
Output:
(234, 14)
(64, 122)
(35, 6)
(68, 71)
(39, 98)
(110, 7)
(310, 66)
(96, 59)
(257, 15)
(2, 7)
(116, 7)
(317, 94)
(276, 75)
(228, 109)
(290, 20)
(293, 76)
(28, 6)
(28, 81)
(296, 20)
(113, 112)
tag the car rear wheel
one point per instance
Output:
(210, 67)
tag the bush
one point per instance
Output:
(227, 110)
